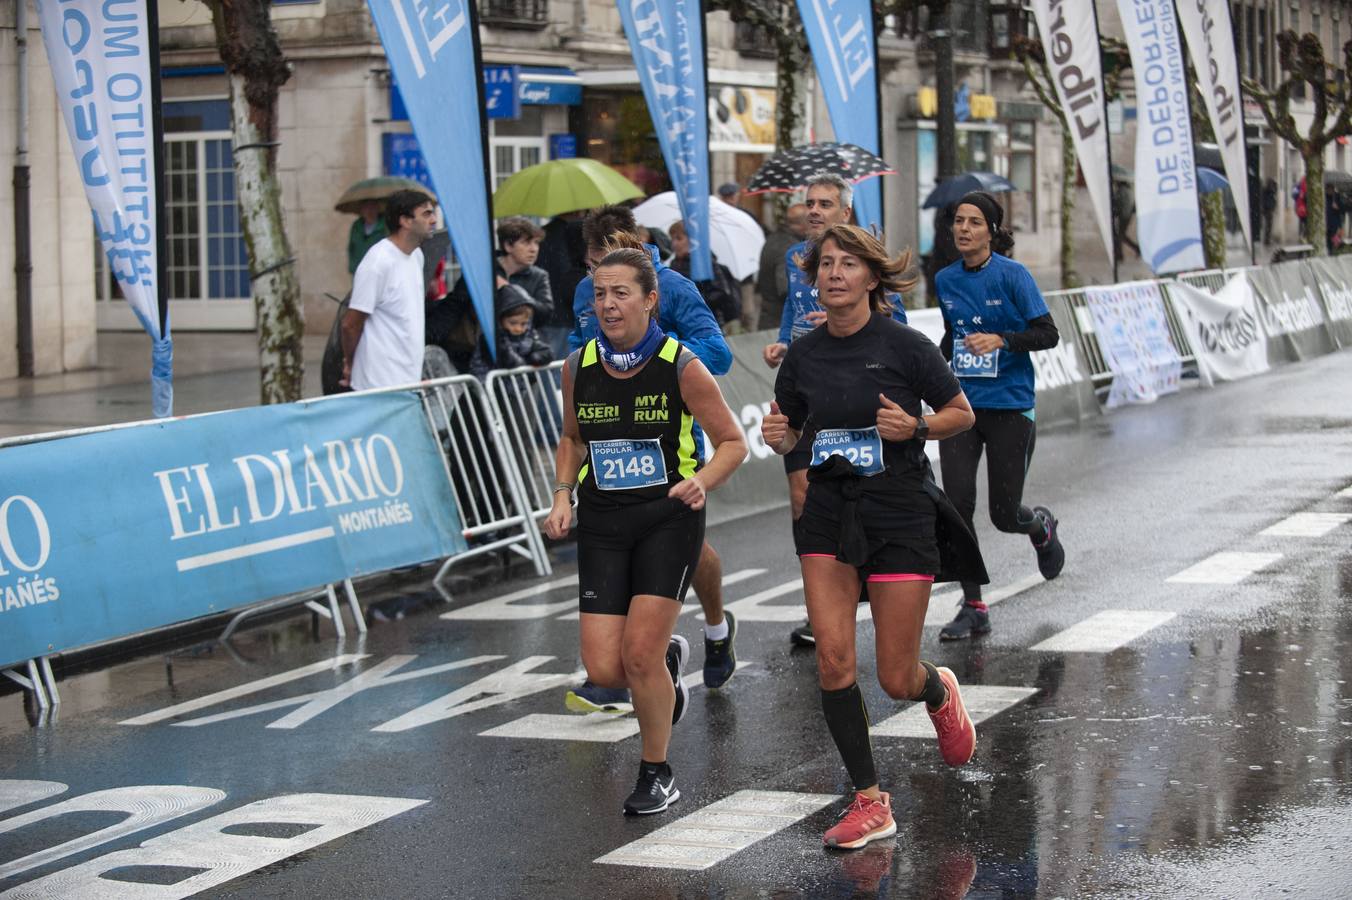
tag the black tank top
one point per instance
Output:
(638, 432)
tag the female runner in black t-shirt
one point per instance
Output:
(631, 398)
(872, 510)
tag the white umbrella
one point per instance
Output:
(735, 237)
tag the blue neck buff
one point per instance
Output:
(623, 361)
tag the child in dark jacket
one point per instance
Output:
(519, 344)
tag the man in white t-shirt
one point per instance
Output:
(383, 326)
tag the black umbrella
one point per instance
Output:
(790, 169)
(953, 190)
(1340, 181)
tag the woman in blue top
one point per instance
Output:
(994, 318)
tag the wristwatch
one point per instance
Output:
(921, 429)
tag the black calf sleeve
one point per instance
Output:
(847, 719)
(933, 693)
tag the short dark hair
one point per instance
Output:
(601, 223)
(403, 203)
(517, 228)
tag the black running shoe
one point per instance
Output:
(802, 636)
(970, 622)
(720, 657)
(655, 791)
(1050, 554)
(678, 653)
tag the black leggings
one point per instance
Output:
(1010, 435)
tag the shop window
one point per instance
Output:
(1019, 156)
(205, 255)
(754, 41)
(619, 132)
(533, 14)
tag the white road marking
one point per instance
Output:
(188, 563)
(217, 856)
(1345, 492)
(1224, 568)
(943, 602)
(502, 608)
(146, 807)
(756, 608)
(604, 728)
(692, 605)
(715, 832)
(1106, 631)
(244, 690)
(512, 683)
(16, 792)
(982, 702)
(1306, 525)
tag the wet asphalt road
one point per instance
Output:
(1211, 755)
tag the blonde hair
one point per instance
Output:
(893, 272)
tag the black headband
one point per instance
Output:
(992, 210)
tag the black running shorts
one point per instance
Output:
(647, 548)
(900, 531)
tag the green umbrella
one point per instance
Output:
(560, 186)
(378, 189)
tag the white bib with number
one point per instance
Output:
(863, 447)
(624, 465)
(967, 364)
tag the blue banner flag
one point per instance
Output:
(110, 534)
(433, 49)
(104, 61)
(844, 48)
(667, 40)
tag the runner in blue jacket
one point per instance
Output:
(683, 314)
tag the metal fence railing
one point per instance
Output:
(528, 404)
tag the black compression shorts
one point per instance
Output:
(647, 548)
(900, 534)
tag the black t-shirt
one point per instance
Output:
(829, 382)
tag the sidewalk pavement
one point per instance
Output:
(213, 371)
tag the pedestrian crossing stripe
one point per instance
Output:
(1345, 492)
(1224, 568)
(1104, 632)
(1306, 524)
(602, 728)
(715, 832)
(982, 701)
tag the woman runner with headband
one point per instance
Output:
(631, 398)
(872, 513)
(994, 318)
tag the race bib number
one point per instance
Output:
(863, 447)
(626, 465)
(967, 364)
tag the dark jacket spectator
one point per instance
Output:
(563, 254)
(723, 294)
(772, 282)
(518, 342)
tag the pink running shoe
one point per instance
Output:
(866, 820)
(957, 734)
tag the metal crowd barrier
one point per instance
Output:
(480, 457)
(529, 406)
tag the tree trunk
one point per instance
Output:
(1069, 279)
(1314, 202)
(257, 69)
(791, 103)
(1213, 228)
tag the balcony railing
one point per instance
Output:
(754, 41)
(514, 13)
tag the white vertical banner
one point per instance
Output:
(1168, 219)
(1070, 39)
(1211, 44)
(100, 56)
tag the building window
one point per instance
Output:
(533, 14)
(205, 255)
(1021, 156)
(1008, 20)
(753, 41)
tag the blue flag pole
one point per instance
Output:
(162, 346)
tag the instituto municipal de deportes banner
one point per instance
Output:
(1168, 220)
(844, 50)
(432, 46)
(100, 58)
(109, 534)
(667, 40)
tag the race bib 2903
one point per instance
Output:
(625, 465)
(863, 447)
(967, 364)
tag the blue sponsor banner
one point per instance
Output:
(534, 87)
(563, 146)
(666, 38)
(840, 35)
(1168, 217)
(431, 46)
(403, 157)
(502, 97)
(110, 534)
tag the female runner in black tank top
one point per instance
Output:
(630, 400)
(872, 513)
